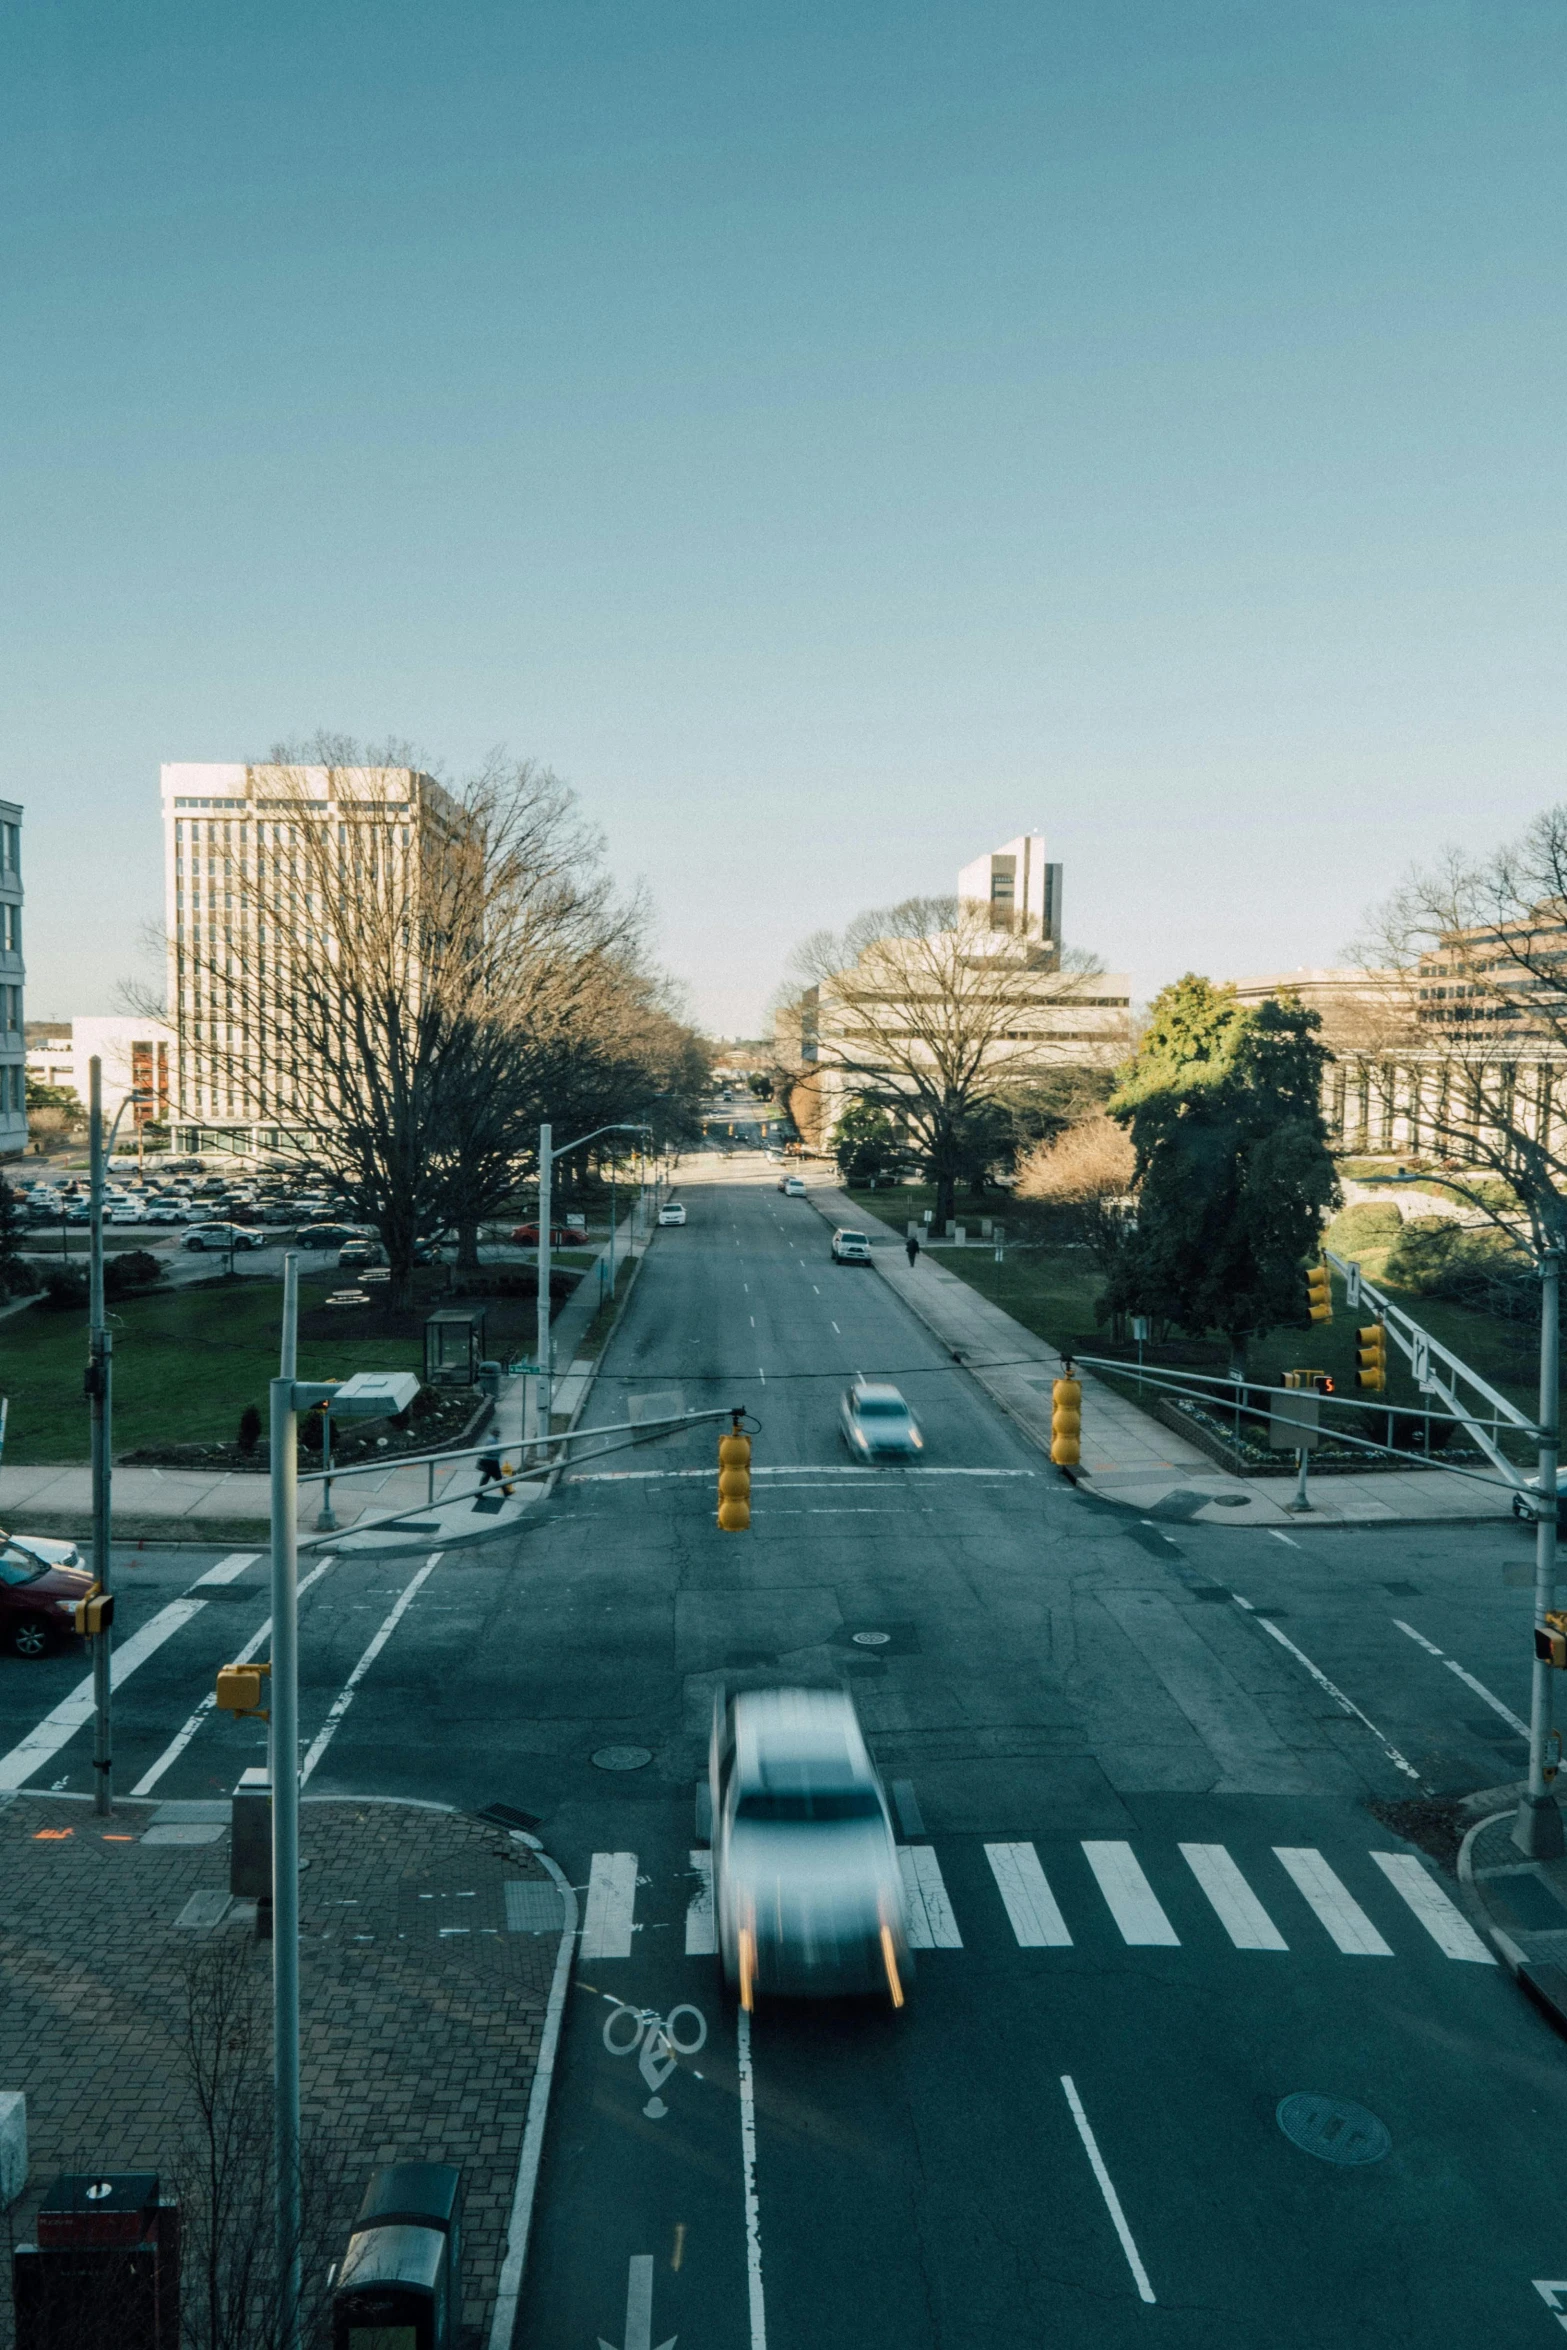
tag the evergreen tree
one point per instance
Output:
(863, 1143)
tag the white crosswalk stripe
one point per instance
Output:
(1334, 1904)
(927, 1913)
(610, 1913)
(1032, 1908)
(1132, 1901)
(1447, 1926)
(1235, 1905)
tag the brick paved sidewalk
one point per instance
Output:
(428, 1942)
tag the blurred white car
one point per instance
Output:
(807, 1892)
(793, 1187)
(672, 1212)
(877, 1424)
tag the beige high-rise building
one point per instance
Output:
(231, 842)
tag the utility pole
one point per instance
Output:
(1538, 1827)
(284, 1687)
(100, 1371)
(545, 1341)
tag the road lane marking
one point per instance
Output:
(1133, 1903)
(835, 1326)
(927, 1913)
(1237, 1908)
(46, 1738)
(183, 1736)
(701, 1924)
(1485, 1695)
(753, 2212)
(1336, 1907)
(1332, 1688)
(1145, 2290)
(345, 1696)
(1031, 1907)
(612, 1899)
(1447, 1926)
(227, 1570)
(1287, 1539)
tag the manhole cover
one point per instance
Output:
(622, 1758)
(1230, 1501)
(1332, 2128)
(871, 1639)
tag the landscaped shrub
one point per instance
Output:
(1369, 1224)
(1484, 1270)
(249, 1429)
(135, 1270)
(64, 1290)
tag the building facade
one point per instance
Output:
(249, 853)
(1016, 889)
(137, 1055)
(13, 976)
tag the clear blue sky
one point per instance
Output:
(836, 434)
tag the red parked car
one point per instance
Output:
(527, 1236)
(40, 1584)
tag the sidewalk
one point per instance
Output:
(429, 1945)
(1128, 1456)
(1522, 1904)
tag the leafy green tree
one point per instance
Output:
(17, 1278)
(983, 1141)
(863, 1143)
(1234, 1177)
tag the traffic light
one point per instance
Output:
(1066, 1422)
(1319, 1294)
(1550, 1640)
(734, 1480)
(95, 1613)
(1316, 1382)
(239, 1689)
(1371, 1358)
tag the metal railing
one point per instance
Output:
(1436, 1370)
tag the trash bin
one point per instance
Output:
(105, 2268)
(399, 2286)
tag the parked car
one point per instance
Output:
(278, 1212)
(807, 1893)
(361, 1252)
(126, 1214)
(527, 1236)
(41, 1583)
(877, 1424)
(328, 1235)
(164, 1212)
(851, 1248)
(793, 1186)
(672, 1212)
(223, 1236)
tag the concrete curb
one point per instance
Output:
(508, 2292)
(1542, 1981)
(591, 1381)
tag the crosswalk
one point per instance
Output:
(1295, 1884)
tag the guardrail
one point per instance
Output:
(1424, 1354)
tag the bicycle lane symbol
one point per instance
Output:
(661, 2039)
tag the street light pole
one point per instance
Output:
(284, 1690)
(545, 1342)
(1538, 1827)
(100, 1372)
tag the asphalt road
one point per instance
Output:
(1057, 2140)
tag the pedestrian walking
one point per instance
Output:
(913, 1247)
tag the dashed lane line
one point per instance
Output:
(1486, 1696)
(183, 1736)
(345, 1696)
(1399, 1761)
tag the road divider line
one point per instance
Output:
(46, 1738)
(227, 1570)
(1335, 1906)
(1145, 2291)
(701, 1924)
(345, 1696)
(1447, 1926)
(1399, 1762)
(1235, 1905)
(753, 2209)
(927, 1913)
(1133, 1903)
(1031, 1907)
(1486, 1696)
(183, 1736)
(609, 1917)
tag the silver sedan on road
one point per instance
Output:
(877, 1424)
(807, 1892)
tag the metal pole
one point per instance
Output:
(284, 1692)
(326, 1523)
(1538, 1827)
(545, 1340)
(100, 1369)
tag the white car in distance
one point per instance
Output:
(672, 1212)
(851, 1248)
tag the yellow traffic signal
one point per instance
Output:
(1319, 1294)
(1066, 1422)
(95, 1613)
(239, 1689)
(734, 1480)
(1371, 1358)
(1550, 1640)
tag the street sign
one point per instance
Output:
(1293, 1418)
(1352, 1286)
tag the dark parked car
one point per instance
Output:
(40, 1585)
(328, 1235)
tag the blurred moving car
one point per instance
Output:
(672, 1212)
(807, 1892)
(851, 1248)
(793, 1186)
(877, 1424)
(1523, 1502)
(224, 1236)
(40, 1585)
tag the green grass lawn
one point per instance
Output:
(186, 1363)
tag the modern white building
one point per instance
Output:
(1021, 890)
(13, 974)
(137, 1055)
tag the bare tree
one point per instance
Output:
(1460, 1034)
(921, 1009)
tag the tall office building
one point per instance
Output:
(13, 1051)
(248, 851)
(1021, 892)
